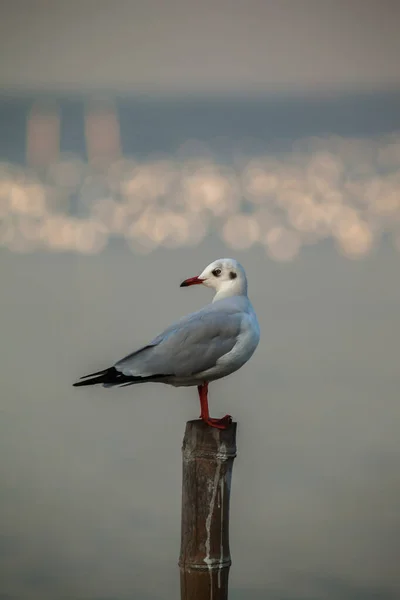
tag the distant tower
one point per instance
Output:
(43, 135)
(102, 131)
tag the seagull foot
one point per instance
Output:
(220, 423)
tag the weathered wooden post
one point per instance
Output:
(204, 562)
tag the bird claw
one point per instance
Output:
(219, 423)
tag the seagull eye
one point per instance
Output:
(216, 272)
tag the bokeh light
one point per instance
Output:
(346, 190)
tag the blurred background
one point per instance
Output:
(139, 141)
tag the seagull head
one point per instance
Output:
(225, 275)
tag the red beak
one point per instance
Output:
(191, 281)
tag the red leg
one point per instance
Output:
(203, 395)
(205, 414)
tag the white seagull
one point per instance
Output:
(202, 347)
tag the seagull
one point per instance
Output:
(203, 346)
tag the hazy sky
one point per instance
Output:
(209, 46)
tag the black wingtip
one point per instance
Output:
(111, 377)
(88, 382)
(102, 372)
(95, 378)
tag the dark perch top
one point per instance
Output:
(208, 455)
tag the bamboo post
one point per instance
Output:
(204, 561)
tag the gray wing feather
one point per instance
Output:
(191, 346)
